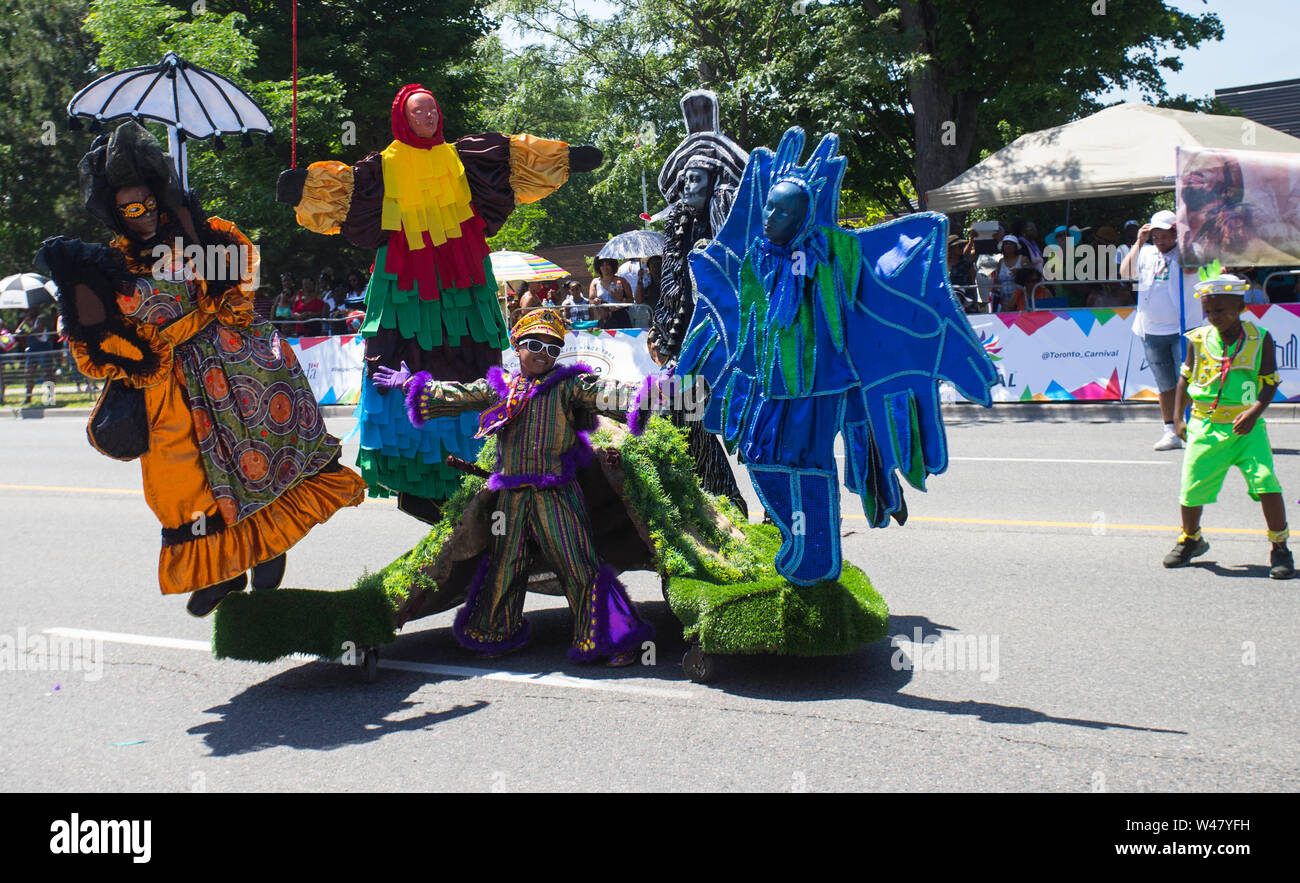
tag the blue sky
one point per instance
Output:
(1259, 45)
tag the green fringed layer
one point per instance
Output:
(386, 475)
(265, 626)
(455, 314)
(262, 627)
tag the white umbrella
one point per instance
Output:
(633, 244)
(520, 266)
(191, 101)
(23, 291)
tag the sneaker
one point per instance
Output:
(1168, 442)
(1182, 554)
(1282, 564)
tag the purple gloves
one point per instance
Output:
(387, 378)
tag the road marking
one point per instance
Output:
(1059, 460)
(123, 638)
(1088, 524)
(552, 679)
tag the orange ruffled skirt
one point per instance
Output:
(177, 490)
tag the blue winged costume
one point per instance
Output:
(835, 332)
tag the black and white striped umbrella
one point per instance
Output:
(191, 101)
(23, 291)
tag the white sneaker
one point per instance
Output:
(1168, 442)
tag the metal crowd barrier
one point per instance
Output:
(985, 298)
(311, 327)
(53, 373)
(639, 315)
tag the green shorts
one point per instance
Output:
(1213, 448)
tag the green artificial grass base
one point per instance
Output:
(769, 614)
(719, 572)
(266, 626)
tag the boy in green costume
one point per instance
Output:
(1229, 376)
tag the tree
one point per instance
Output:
(44, 60)
(916, 88)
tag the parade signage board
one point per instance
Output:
(1093, 355)
(333, 365)
(1044, 356)
(619, 355)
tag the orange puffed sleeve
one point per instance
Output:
(538, 166)
(326, 197)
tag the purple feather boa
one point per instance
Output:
(494, 418)
(638, 414)
(515, 641)
(571, 460)
(413, 390)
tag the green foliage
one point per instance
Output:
(884, 74)
(44, 60)
(771, 615)
(133, 33)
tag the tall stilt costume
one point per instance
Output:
(236, 461)
(427, 206)
(806, 331)
(699, 181)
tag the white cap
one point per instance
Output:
(1163, 220)
(1013, 240)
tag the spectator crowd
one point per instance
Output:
(1008, 268)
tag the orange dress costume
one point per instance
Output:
(237, 464)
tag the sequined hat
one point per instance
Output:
(547, 323)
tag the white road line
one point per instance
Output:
(553, 679)
(1055, 460)
(123, 638)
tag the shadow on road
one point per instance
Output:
(1254, 571)
(320, 706)
(339, 704)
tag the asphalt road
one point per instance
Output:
(1095, 669)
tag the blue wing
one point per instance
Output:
(906, 332)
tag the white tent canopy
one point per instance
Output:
(1125, 149)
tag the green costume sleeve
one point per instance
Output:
(439, 398)
(609, 397)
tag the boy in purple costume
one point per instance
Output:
(537, 416)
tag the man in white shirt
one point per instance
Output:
(1162, 316)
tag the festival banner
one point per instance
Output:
(620, 355)
(1044, 356)
(1093, 355)
(1239, 207)
(333, 365)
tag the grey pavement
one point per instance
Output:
(1041, 544)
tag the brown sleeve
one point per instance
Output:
(362, 225)
(486, 158)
